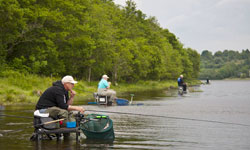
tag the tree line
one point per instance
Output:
(226, 64)
(87, 38)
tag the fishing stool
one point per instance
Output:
(48, 129)
(41, 131)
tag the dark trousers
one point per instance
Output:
(184, 87)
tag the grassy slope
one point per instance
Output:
(16, 88)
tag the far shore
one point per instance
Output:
(227, 79)
(237, 79)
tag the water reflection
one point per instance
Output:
(226, 101)
(96, 144)
(145, 95)
(55, 144)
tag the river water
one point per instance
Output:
(218, 118)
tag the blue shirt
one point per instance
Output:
(103, 84)
(180, 82)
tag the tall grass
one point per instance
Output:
(145, 85)
(16, 88)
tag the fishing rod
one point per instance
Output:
(82, 90)
(88, 91)
(49, 122)
(169, 117)
(17, 116)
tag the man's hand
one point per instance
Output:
(77, 108)
(109, 85)
(81, 109)
(72, 93)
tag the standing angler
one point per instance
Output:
(181, 83)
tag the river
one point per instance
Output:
(216, 118)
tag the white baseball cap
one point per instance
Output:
(68, 79)
(105, 76)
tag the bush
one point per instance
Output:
(9, 98)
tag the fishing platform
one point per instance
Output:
(94, 126)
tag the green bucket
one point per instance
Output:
(98, 126)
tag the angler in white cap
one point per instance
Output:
(57, 102)
(104, 88)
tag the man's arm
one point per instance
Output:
(70, 102)
(106, 84)
(77, 108)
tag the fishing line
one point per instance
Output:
(17, 116)
(169, 117)
(23, 111)
(158, 116)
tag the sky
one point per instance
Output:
(214, 25)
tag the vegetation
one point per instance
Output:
(43, 40)
(87, 38)
(226, 64)
(19, 88)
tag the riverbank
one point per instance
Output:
(17, 88)
(237, 79)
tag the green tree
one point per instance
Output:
(89, 38)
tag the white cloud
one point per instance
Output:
(203, 24)
(223, 3)
(119, 2)
(123, 2)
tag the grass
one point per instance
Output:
(144, 86)
(20, 88)
(17, 88)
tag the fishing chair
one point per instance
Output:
(102, 99)
(45, 125)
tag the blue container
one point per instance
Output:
(71, 124)
(122, 102)
(92, 103)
